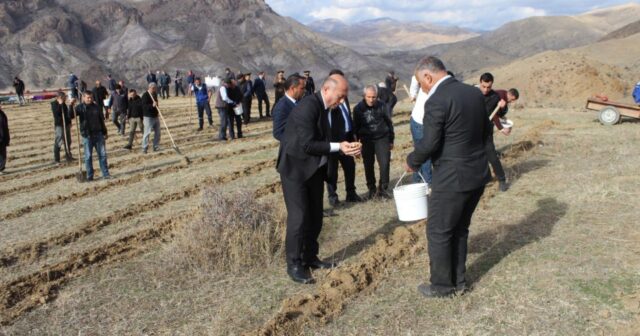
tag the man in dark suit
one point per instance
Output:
(294, 90)
(302, 164)
(311, 86)
(455, 130)
(260, 89)
(341, 130)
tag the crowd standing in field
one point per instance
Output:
(451, 126)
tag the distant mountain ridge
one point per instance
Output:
(380, 35)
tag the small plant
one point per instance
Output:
(234, 232)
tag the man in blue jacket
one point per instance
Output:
(203, 97)
(294, 90)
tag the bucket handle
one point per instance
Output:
(405, 174)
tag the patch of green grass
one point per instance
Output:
(608, 291)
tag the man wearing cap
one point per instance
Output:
(203, 97)
(150, 119)
(278, 84)
(311, 86)
(228, 74)
(260, 89)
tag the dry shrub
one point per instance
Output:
(235, 231)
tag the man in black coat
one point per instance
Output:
(260, 89)
(18, 85)
(135, 113)
(455, 130)
(94, 134)
(341, 130)
(374, 129)
(99, 95)
(62, 127)
(5, 140)
(302, 164)
(311, 86)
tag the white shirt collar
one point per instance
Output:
(435, 87)
(291, 99)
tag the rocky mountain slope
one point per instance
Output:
(44, 40)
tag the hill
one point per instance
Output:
(523, 38)
(628, 30)
(568, 77)
(384, 34)
(44, 40)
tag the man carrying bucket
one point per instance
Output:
(455, 129)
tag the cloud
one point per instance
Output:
(474, 14)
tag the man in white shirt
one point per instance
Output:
(417, 131)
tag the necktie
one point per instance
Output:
(345, 115)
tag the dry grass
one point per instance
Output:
(234, 232)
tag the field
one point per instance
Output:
(558, 254)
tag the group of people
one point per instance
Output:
(452, 128)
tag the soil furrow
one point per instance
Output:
(31, 252)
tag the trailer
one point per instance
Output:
(610, 112)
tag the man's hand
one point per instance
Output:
(352, 149)
(408, 169)
(506, 131)
(502, 103)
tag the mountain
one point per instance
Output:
(626, 31)
(384, 34)
(566, 78)
(45, 40)
(522, 38)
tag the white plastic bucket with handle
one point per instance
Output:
(238, 110)
(411, 200)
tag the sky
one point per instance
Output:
(473, 14)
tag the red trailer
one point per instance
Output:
(610, 112)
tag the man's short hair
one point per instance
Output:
(152, 85)
(486, 77)
(133, 91)
(370, 87)
(197, 79)
(431, 64)
(87, 93)
(336, 72)
(118, 87)
(515, 93)
(292, 81)
(60, 94)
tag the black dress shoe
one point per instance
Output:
(334, 201)
(429, 292)
(316, 264)
(503, 186)
(299, 274)
(354, 198)
(462, 289)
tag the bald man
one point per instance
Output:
(302, 164)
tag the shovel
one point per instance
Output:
(186, 159)
(81, 176)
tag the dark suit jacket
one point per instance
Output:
(455, 128)
(338, 133)
(259, 88)
(280, 114)
(305, 140)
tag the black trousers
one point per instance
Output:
(348, 167)
(264, 98)
(203, 107)
(304, 217)
(164, 91)
(238, 124)
(376, 149)
(246, 109)
(494, 161)
(179, 88)
(3, 157)
(447, 234)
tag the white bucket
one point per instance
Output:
(411, 200)
(238, 110)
